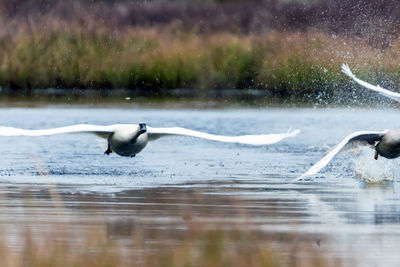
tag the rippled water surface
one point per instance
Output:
(67, 178)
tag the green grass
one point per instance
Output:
(152, 59)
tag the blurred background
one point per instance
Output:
(283, 50)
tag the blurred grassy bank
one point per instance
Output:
(81, 52)
(283, 64)
(213, 248)
(163, 227)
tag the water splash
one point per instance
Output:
(374, 171)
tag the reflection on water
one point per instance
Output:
(67, 180)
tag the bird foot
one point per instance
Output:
(108, 151)
(376, 155)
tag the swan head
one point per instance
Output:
(128, 140)
(142, 128)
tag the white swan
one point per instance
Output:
(395, 96)
(129, 139)
(386, 144)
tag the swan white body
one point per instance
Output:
(129, 139)
(386, 144)
(393, 95)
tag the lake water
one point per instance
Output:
(67, 178)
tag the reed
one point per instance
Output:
(68, 55)
(200, 247)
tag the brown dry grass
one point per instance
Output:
(197, 247)
(92, 48)
(68, 238)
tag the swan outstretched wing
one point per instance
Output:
(262, 139)
(153, 133)
(363, 137)
(395, 96)
(79, 128)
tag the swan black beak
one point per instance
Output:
(142, 128)
(376, 155)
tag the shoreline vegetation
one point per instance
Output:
(193, 247)
(214, 248)
(188, 235)
(93, 46)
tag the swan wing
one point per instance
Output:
(393, 95)
(102, 131)
(362, 137)
(262, 139)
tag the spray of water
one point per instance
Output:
(375, 171)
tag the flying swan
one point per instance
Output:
(395, 96)
(129, 139)
(386, 144)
